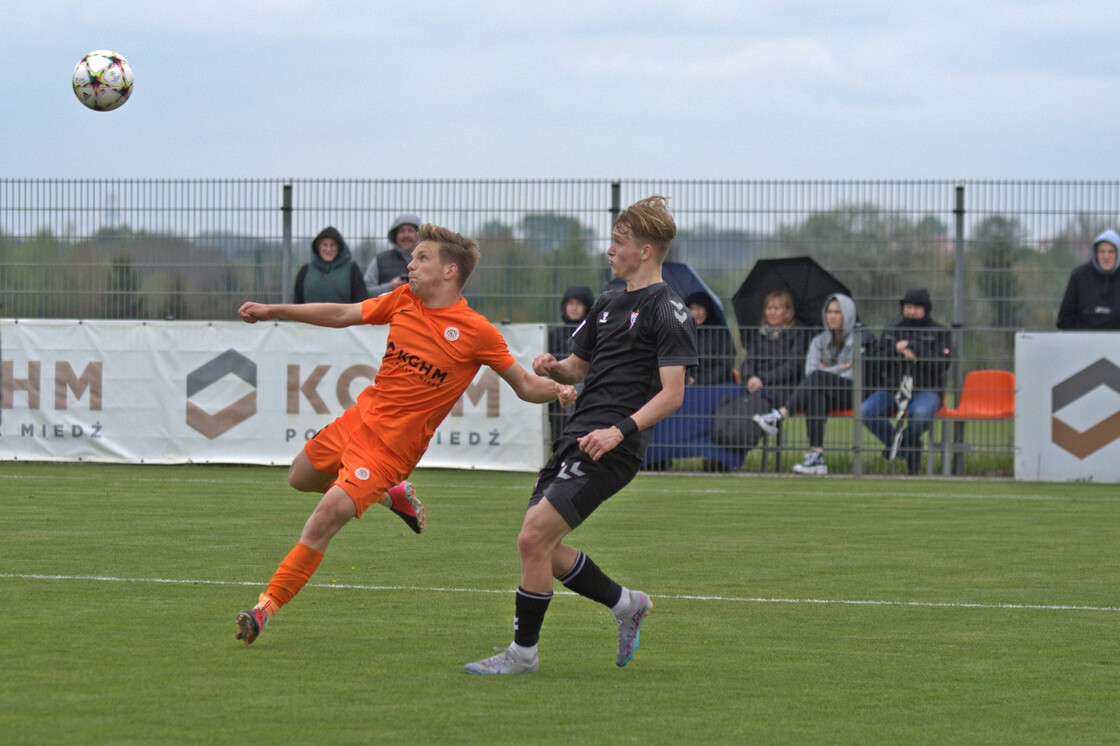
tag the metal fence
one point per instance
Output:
(995, 255)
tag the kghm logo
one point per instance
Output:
(410, 360)
(1085, 443)
(229, 362)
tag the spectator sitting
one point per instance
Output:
(915, 346)
(827, 384)
(331, 276)
(389, 269)
(773, 366)
(1092, 299)
(574, 306)
(715, 349)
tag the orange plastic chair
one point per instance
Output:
(985, 395)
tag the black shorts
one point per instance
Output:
(575, 485)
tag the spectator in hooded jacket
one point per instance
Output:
(331, 276)
(715, 349)
(1092, 299)
(574, 306)
(918, 346)
(389, 269)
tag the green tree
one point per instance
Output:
(997, 244)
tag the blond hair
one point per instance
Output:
(454, 248)
(785, 299)
(649, 221)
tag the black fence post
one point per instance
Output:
(286, 258)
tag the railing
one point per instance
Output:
(994, 255)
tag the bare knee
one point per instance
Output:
(530, 544)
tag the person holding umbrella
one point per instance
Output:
(827, 384)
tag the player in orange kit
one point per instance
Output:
(435, 347)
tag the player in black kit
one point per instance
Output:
(631, 352)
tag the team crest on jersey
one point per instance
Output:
(633, 318)
(450, 334)
(362, 473)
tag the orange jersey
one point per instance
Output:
(432, 355)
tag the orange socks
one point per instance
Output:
(293, 573)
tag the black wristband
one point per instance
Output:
(627, 427)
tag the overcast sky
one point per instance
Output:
(724, 90)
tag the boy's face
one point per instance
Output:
(425, 273)
(625, 253)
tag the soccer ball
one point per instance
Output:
(103, 80)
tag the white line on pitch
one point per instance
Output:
(718, 486)
(682, 597)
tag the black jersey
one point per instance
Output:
(625, 338)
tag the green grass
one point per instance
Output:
(787, 611)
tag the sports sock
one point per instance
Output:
(293, 573)
(624, 601)
(529, 610)
(268, 605)
(585, 578)
(525, 652)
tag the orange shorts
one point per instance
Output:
(350, 448)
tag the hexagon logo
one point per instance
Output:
(230, 362)
(1085, 443)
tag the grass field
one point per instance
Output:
(787, 611)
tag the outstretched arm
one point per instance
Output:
(535, 388)
(571, 369)
(599, 442)
(336, 315)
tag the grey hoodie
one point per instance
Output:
(836, 360)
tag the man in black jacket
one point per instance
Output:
(918, 347)
(1092, 298)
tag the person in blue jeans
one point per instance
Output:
(919, 347)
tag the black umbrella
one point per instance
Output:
(808, 282)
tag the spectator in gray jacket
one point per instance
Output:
(389, 269)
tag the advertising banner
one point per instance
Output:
(1067, 406)
(227, 392)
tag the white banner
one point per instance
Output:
(1067, 406)
(227, 392)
